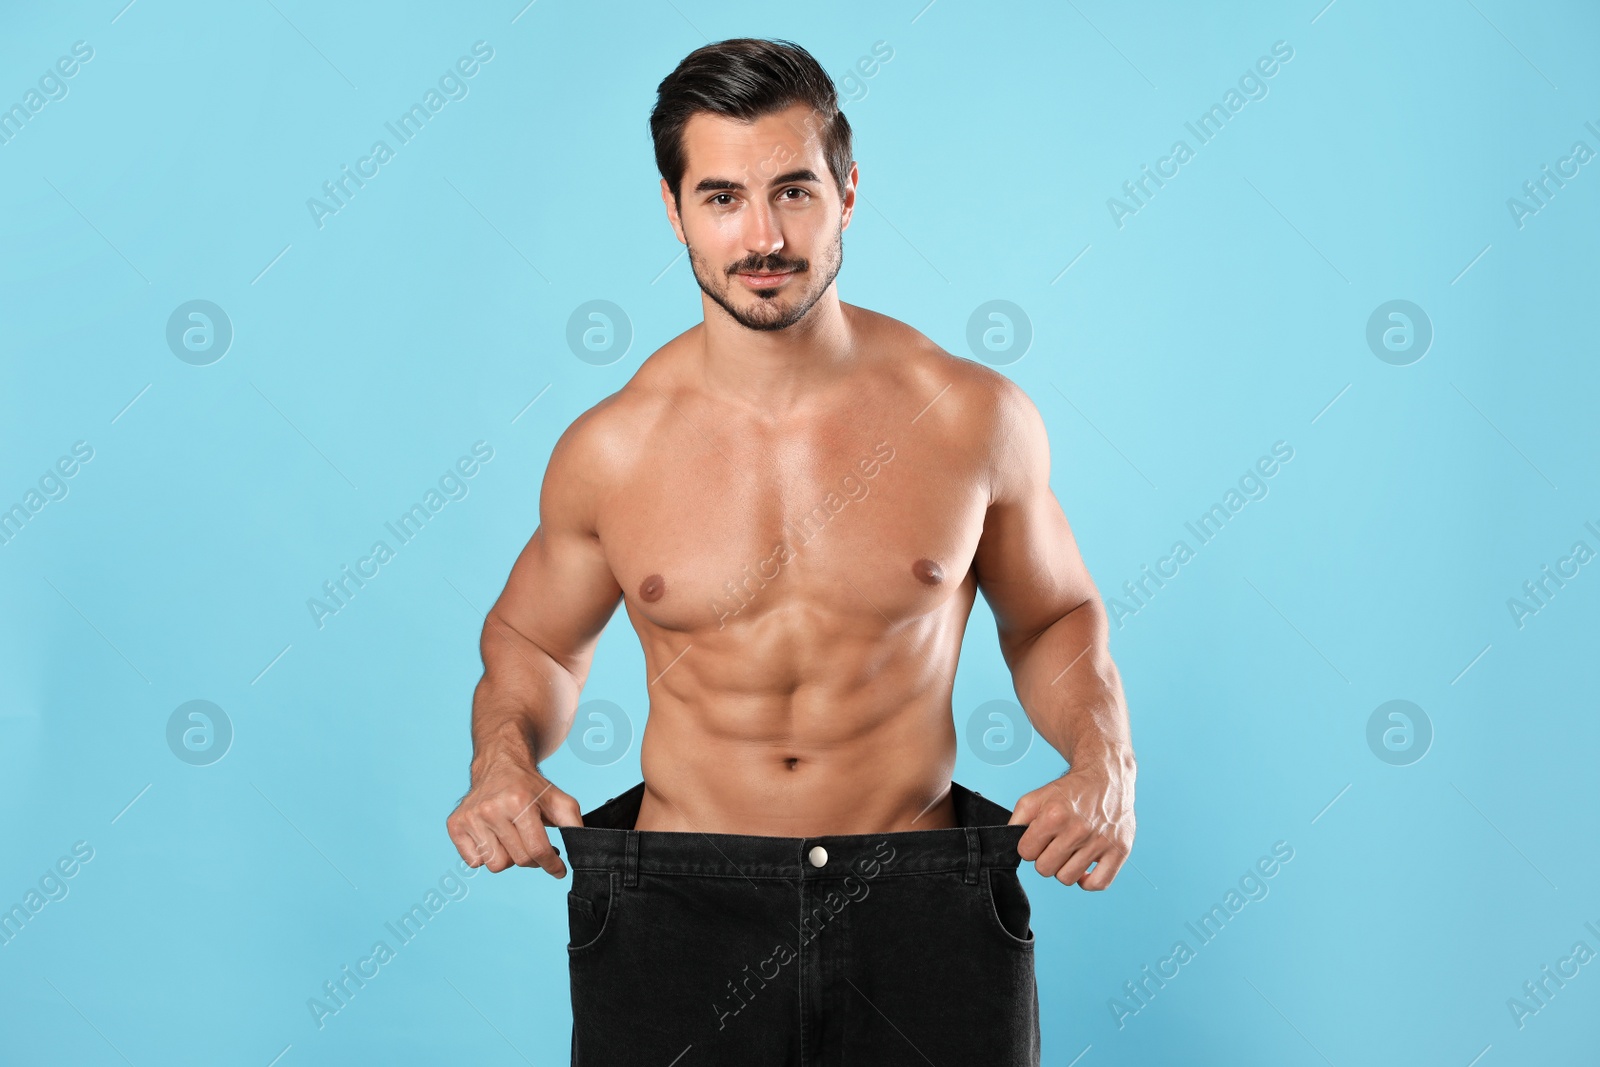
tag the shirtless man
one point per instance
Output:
(797, 501)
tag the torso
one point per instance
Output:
(800, 586)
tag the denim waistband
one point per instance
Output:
(608, 841)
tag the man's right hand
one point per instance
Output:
(501, 820)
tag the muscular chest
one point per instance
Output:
(843, 521)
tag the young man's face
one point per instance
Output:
(760, 214)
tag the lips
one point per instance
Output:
(765, 281)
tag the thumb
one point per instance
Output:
(1027, 807)
(559, 809)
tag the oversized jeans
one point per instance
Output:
(855, 950)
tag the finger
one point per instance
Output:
(559, 809)
(500, 811)
(1052, 826)
(455, 827)
(1104, 872)
(1025, 810)
(1077, 864)
(1055, 856)
(510, 838)
(1042, 829)
(520, 829)
(468, 839)
(536, 846)
(486, 846)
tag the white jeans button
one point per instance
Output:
(818, 855)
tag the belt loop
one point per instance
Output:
(630, 864)
(974, 854)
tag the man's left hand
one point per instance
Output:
(1083, 818)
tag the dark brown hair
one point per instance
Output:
(745, 78)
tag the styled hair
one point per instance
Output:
(745, 78)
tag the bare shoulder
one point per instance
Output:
(968, 401)
(601, 448)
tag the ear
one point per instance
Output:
(672, 211)
(850, 183)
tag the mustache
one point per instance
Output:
(767, 265)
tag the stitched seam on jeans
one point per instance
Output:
(608, 924)
(994, 915)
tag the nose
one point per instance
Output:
(762, 236)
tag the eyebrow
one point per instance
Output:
(804, 174)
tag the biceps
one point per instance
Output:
(559, 596)
(1029, 568)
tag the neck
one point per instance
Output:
(776, 370)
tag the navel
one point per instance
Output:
(652, 587)
(928, 572)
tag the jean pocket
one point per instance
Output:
(1009, 909)
(591, 903)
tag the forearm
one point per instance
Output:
(1072, 692)
(523, 705)
(521, 710)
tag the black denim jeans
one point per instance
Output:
(859, 950)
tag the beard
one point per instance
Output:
(778, 309)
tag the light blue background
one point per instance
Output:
(1229, 313)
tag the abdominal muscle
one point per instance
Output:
(794, 770)
(804, 718)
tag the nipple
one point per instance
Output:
(927, 571)
(652, 587)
